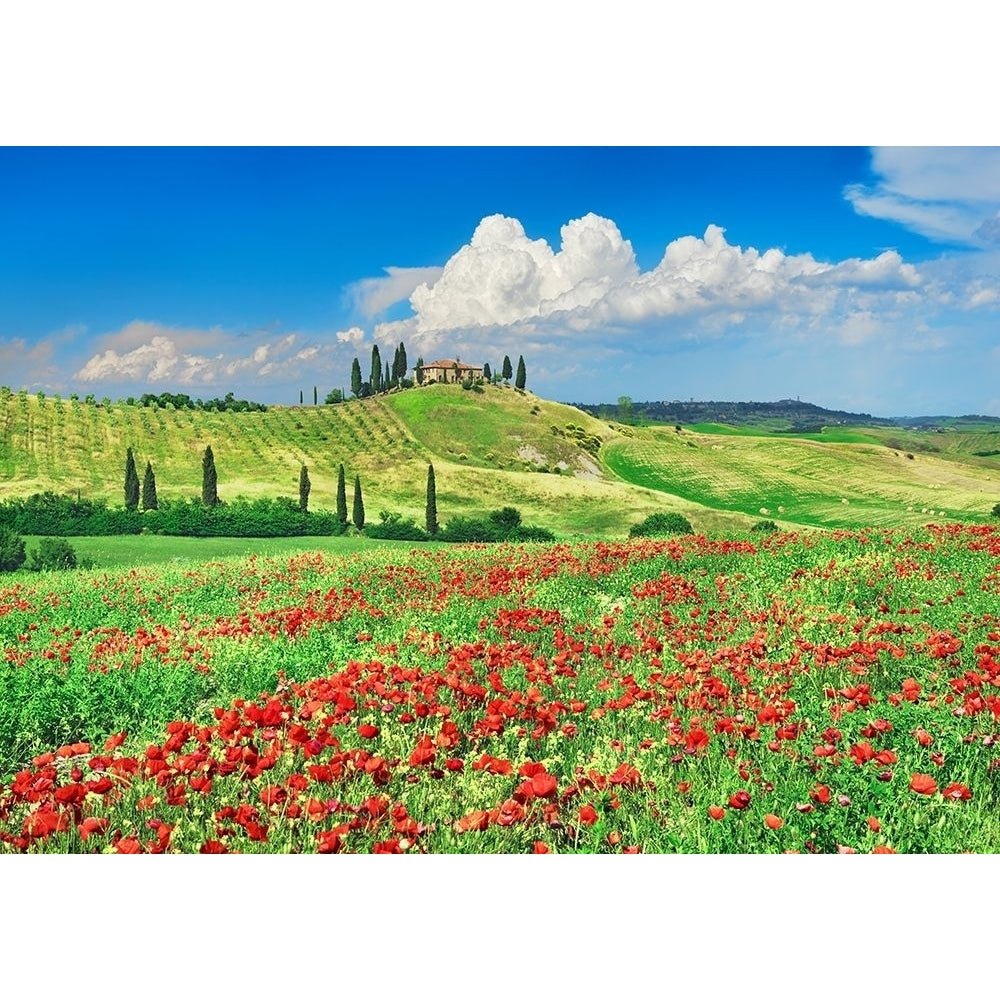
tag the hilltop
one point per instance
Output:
(494, 446)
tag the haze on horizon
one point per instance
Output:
(856, 279)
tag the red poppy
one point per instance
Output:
(924, 784)
(873, 824)
(588, 815)
(957, 792)
(716, 812)
(540, 848)
(820, 794)
(740, 800)
(923, 737)
(544, 785)
(367, 731)
(882, 849)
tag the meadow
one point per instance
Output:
(816, 692)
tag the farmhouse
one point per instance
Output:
(450, 371)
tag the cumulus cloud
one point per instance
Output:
(949, 194)
(372, 296)
(353, 336)
(592, 287)
(149, 353)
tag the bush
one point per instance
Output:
(661, 524)
(52, 553)
(765, 526)
(393, 525)
(11, 550)
(996, 510)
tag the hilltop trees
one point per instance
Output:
(358, 514)
(399, 366)
(149, 489)
(521, 373)
(431, 512)
(304, 487)
(376, 374)
(356, 378)
(506, 372)
(341, 496)
(131, 482)
(209, 479)
(487, 374)
(419, 371)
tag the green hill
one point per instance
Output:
(563, 468)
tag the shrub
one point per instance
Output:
(393, 525)
(661, 524)
(52, 553)
(996, 510)
(765, 526)
(11, 550)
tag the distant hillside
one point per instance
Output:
(726, 467)
(785, 414)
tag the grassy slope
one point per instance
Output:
(487, 449)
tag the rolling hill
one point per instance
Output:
(563, 468)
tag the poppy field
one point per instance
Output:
(821, 692)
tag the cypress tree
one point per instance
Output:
(209, 479)
(356, 378)
(431, 510)
(376, 375)
(300, 397)
(341, 496)
(521, 373)
(359, 505)
(131, 482)
(315, 396)
(401, 362)
(386, 378)
(304, 487)
(487, 374)
(420, 371)
(506, 371)
(149, 489)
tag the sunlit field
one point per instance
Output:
(829, 692)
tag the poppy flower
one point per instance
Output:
(540, 848)
(588, 815)
(367, 731)
(773, 822)
(957, 792)
(716, 812)
(923, 784)
(740, 800)
(873, 824)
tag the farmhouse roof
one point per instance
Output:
(449, 363)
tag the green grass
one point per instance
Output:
(151, 550)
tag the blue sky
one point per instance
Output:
(855, 278)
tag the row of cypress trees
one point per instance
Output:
(133, 493)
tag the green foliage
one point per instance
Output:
(51, 514)
(657, 525)
(394, 526)
(52, 553)
(522, 376)
(419, 371)
(341, 496)
(375, 380)
(507, 371)
(502, 525)
(304, 487)
(356, 378)
(487, 374)
(995, 512)
(209, 479)
(149, 501)
(431, 518)
(765, 527)
(358, 512)
(334, 396)
(11, 550)
(131, 482)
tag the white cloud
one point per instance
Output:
(592, 287)
(149, 353)
(353, 336)
(374, 295)
(949, 194)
